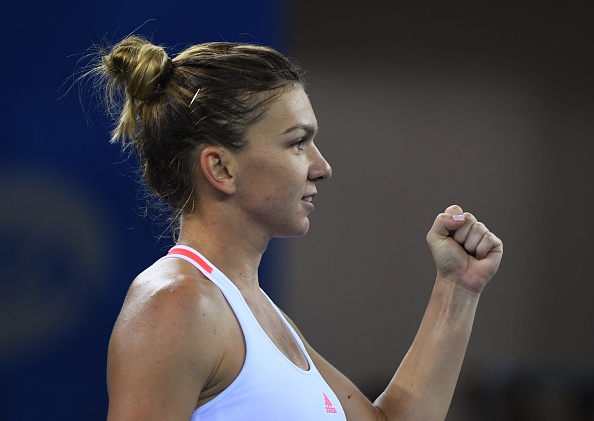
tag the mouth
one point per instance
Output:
(309, 197)
(307, 201)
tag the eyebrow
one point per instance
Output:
(311, 130)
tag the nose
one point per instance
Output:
(319, 168)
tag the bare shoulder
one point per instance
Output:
(167, 344)
(169, 300)
(170, 287)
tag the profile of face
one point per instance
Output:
(278, 170)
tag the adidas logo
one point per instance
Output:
(329, 408)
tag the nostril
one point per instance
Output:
(323, 173)
(320, 169)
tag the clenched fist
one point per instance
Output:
(464, 250)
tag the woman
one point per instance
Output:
(225, 136)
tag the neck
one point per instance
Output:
(227, 246)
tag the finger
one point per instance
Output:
(462, 233)
(489, 243)
(454, 210)
(474, 237)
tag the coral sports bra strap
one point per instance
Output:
(203, 264)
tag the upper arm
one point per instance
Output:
(161, 354)
(355, 404)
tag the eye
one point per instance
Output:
(299, 144)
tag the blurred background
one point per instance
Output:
(420, 105)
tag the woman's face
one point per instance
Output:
(277, 172)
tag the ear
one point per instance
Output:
(217, 166)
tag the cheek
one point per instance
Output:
(273, 177)
(262, 179)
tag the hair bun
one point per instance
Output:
(139, 65)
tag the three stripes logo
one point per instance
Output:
(329, 407)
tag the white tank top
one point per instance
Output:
(269, 386)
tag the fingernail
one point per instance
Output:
(458, 217)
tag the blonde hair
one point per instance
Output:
(136, 66)
(169, 109)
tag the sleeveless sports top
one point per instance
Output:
(269, 386)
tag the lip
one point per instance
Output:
(308, 203)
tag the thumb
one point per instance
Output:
(444, 224)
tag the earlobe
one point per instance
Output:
(216, 164)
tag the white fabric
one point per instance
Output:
(269, 386)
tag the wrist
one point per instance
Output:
(456, 290)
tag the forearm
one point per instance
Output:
(424, 384)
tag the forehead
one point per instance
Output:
(290, 109)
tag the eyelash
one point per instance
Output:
(298, 145)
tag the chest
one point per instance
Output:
(276, 330)
(271, 384)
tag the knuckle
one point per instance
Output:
(470, 217)
(490, 237)
(454, 208)
(478, 228)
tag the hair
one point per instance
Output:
(168, 110)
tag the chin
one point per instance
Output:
(297, 231)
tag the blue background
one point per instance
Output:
(73, 236)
